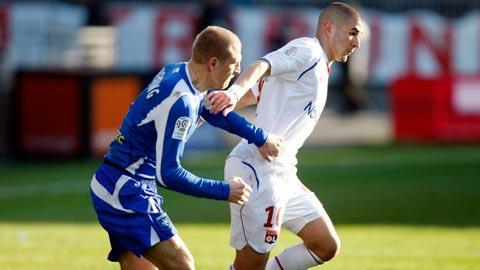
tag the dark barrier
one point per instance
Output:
(68, 114)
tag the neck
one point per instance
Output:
(326, 47)
(197, 76)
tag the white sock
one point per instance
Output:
(296, 257)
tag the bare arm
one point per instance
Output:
(251, 75)
(248, 99)
(219, 100)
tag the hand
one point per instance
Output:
(239, 190)
(221, 100)
(272, 147)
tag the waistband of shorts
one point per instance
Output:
(276, 162)
(116, 166)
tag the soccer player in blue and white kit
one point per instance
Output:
(148, 149)
(292, 92)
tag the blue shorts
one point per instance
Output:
(130, 211)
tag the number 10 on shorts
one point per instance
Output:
(271, 235)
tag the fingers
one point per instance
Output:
(217, 100)
(239, 191)
(218, 105)
(278, 148)
(266, 156)
(220, 100)
(245, 193)
(247, 188)
(272, 148)
(277, 144)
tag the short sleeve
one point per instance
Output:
(292, 57)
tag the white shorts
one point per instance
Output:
(278, 199)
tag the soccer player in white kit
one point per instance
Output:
(290, 85)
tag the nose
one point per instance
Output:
(237, 68)
(356, 42)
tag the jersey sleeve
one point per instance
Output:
(258, 87)
(292, 57)
(170, 143)
(236, 124)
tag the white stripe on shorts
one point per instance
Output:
(112, 199)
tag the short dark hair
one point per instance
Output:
(343, 9)
(213, 41)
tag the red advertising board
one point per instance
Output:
(445, 109)
(49, 114)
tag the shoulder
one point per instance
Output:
(304, 47)
(308, 45)
(303, 41)
(171, 73)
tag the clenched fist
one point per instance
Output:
(239, 190)
(272, 147)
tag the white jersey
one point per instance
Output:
(292, 98)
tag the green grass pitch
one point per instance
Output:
(395, 207)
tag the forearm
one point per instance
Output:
(238, 125)
(247, 79)
(178, 179)
(248, 99)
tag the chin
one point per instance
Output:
(343, 59)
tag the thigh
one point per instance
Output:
(129, 261)
(170, 254)
(257, 223)
(302, 206)
(318, 230)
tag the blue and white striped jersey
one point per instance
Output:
(150, 141)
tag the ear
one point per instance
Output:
(328, 28)
(211, 63)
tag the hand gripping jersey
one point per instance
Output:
(150, 141)
(292, 98)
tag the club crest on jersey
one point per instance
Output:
(181, 127)
(291, 51)
(271, 236)
(164, 222)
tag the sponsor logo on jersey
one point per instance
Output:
(119, 137)
(181, 127)
(271, 236)
(311, 110)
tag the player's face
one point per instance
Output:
(227, 69)
(346, 39)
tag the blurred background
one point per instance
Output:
(415, 78)
(397, 144)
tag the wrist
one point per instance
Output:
(236, 90)
(226, 190)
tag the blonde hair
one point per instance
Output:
(213, 41)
